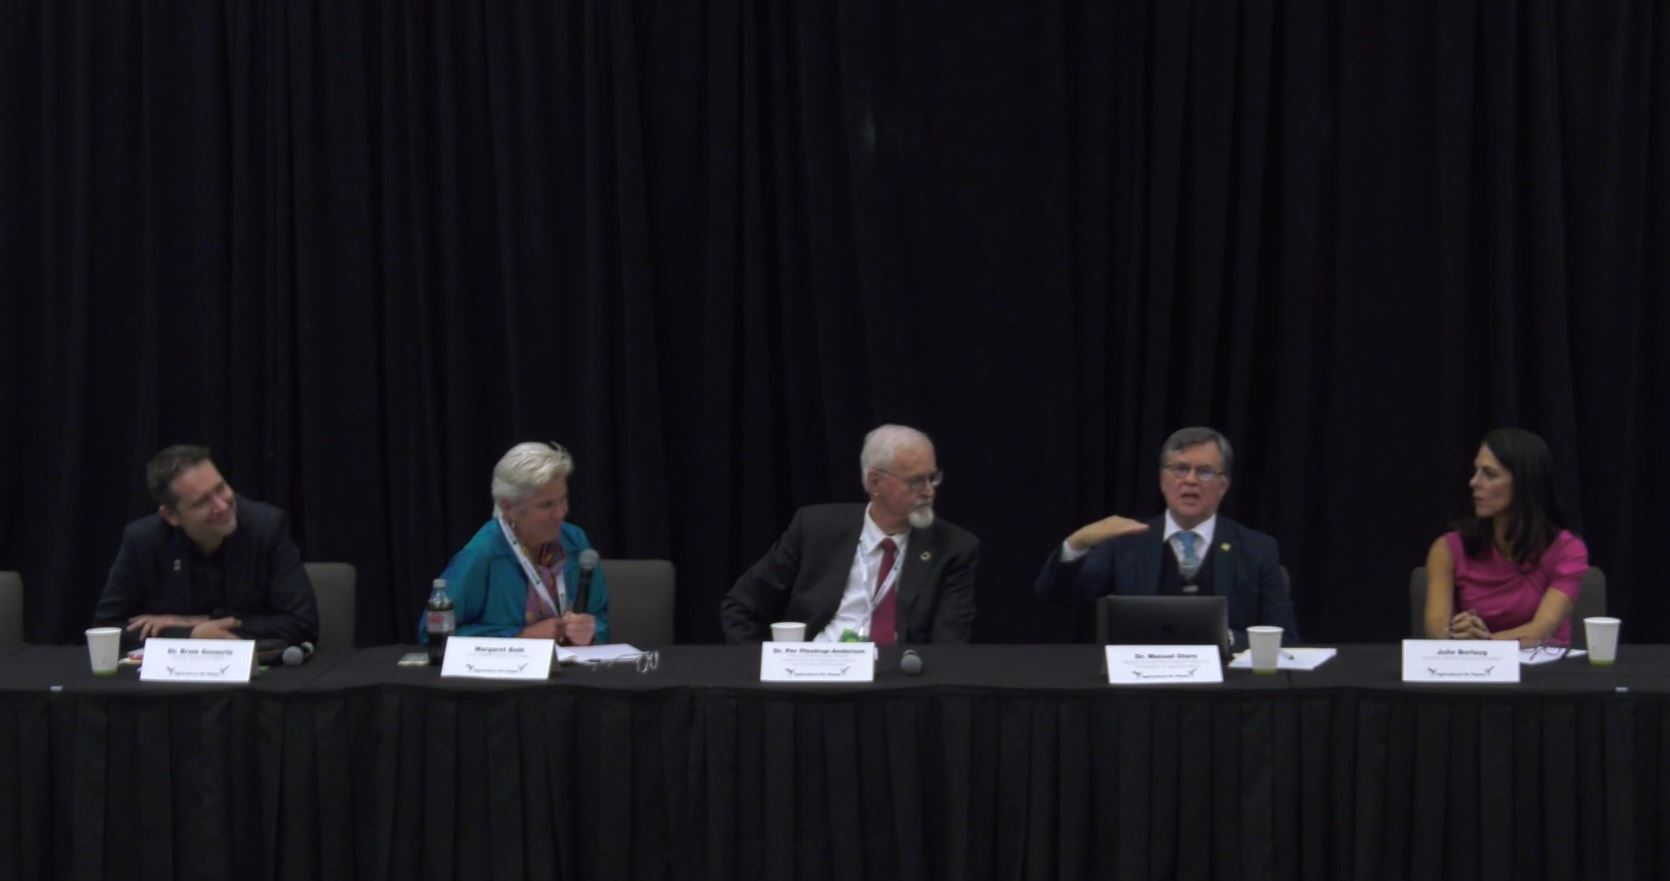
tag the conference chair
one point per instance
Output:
(1590, 603)
(641, 594)
(334, 585)
(11, 609)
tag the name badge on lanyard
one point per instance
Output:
(534, 581)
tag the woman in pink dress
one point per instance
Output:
(1511, 570)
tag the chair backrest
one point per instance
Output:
(1590, 603)
(334, 586)
(641, 595)
(11, 608)
(1417, 603)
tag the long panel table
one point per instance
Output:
(996, 762)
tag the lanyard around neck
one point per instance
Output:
(534, 581)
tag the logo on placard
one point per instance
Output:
(176, 671)
(1141, 674)
(474, 669)
(797, 672)
(1471, 674)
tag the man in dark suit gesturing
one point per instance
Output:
(1188, 551)
(208, 564)
(890, 571)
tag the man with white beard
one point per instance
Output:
(887, 572)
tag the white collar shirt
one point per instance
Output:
(859, 600)
(1203, 532)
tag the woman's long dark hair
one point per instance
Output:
(1536, 515)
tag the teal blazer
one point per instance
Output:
(489, 590)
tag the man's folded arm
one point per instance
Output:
(1063, 575)
(758, 597)
(292, 613)
(124, 591)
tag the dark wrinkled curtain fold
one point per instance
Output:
(27, 818)
(138, 789)
(358, 769)
(543, 786)
(835, 788)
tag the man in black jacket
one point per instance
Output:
(1189, 550)
(889, 571)
(207, 564)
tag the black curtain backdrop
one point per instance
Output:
(361, 248)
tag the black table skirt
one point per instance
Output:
(999, 762)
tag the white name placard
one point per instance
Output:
(198, 660)
(1460, 660)
(817, 662)
(486, 657)
(1163, 664)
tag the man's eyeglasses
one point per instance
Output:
(1547, 650)
(1202, 473)
(920, 482)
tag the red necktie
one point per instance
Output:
(884, 625)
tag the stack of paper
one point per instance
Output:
(1291, 659)
(592, 654)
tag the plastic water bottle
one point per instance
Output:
(441, 621)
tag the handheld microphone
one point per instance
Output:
(296, 655)
(582, 595)
(910, 662)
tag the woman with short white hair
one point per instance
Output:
(520, 574)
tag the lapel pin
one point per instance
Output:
(176, 564)
(926, 556)
(1224, 547)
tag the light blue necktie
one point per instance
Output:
(1189, 562)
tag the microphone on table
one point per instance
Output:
(910, 662)
(582, 595)
(297, 655)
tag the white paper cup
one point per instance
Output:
(104, 646)
(1602, 634)
(1265, 642)
(788, 631)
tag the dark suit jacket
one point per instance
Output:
(804, 575)
(1245, 568)
(266, 587)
